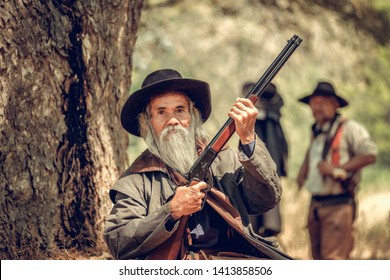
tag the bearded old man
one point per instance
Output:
(153, 194)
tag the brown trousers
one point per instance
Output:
(331, 230)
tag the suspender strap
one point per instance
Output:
(333, 135)
(336, 146)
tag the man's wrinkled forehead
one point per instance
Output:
(169, 96)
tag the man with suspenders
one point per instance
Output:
(331, 171)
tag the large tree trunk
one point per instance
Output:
(65, 73)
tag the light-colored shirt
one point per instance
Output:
(355, 139)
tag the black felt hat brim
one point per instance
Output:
(198, 91)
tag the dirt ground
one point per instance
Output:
(372, 225)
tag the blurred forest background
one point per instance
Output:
(227, 42)
(67, 67)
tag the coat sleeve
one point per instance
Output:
(131, 230)
(260, 180)
(251, 183)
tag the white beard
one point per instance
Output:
(175, 146)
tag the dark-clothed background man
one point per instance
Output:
(269, 128)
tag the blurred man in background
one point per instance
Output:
(331, 171)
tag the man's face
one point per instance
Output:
(323, 108)
(169, 109)
(172, 138)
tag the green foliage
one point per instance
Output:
(376, 110)
(346, 43)
(382, 5)
(375, 178)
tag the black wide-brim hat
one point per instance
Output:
(270, 99)
(159, 82)
(325, 89)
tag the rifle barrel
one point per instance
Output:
(227, 130)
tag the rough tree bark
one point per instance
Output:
(65, 72)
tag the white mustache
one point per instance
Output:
(173, 129)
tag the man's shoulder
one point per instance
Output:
(146, 162)
(134, 176)
(358, 137)
(353, 126)
(125, 184)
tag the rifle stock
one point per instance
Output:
(170, 249)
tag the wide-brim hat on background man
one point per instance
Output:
(269, 99)
(158, 82)
(268, 93)
(325, 89)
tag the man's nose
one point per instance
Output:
(173, 120)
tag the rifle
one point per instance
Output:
(169, 250)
